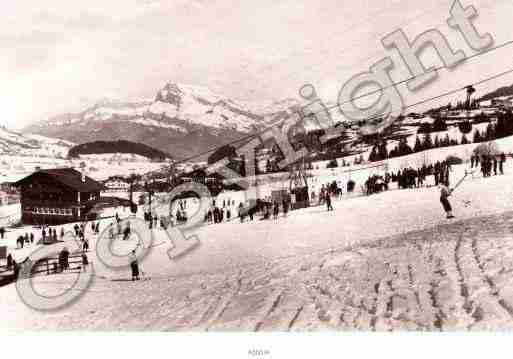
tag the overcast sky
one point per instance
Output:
(59, 55)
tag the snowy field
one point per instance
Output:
(390, 261)
(98, 167)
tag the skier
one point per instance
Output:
(241, 212)
(2, 232)
(85, 246)
(328, 202)
(445, 193)
(85, 262)
(126, 233)
(9, 261)
(134, 266)
(285, 205)
(64, 259)
(501, 163)
(276, 210)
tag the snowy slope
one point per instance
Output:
(12, 142)
(383, 262)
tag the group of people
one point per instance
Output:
(488, 163)
(24, 239)
(267, 208)
(409, 177)
(151, 220)
(377, 183)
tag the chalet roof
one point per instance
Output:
(68, 177)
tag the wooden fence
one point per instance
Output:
(45, 266)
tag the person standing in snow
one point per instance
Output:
(445, 193)
(134, 266)
(241, 212)
(9, 262)
(85, 245)
(85, 262)
(276, 210)
(126, 233)
(328, 201)
(501, 163)
(285, 205)
(2, 232)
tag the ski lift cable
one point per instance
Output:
(370, 93)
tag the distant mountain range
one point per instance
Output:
(181, 120)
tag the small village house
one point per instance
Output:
(117, 184)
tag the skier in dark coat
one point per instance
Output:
(85, 262)
(9, 261)
(134, 266)
(445, 193)
(328, 202)
(64, 259)
(126, 232)
(85, 245)
(285, 205)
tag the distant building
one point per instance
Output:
(486, 103)
(56, 196)
(117, 184)
(498, 102)
(502, 102)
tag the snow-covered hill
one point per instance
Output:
(12, 142)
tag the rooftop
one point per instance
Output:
(69, 177)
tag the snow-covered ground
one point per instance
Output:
(387, 261)
(98, 167)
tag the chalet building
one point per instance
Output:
(114, 184)
(56, 196)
